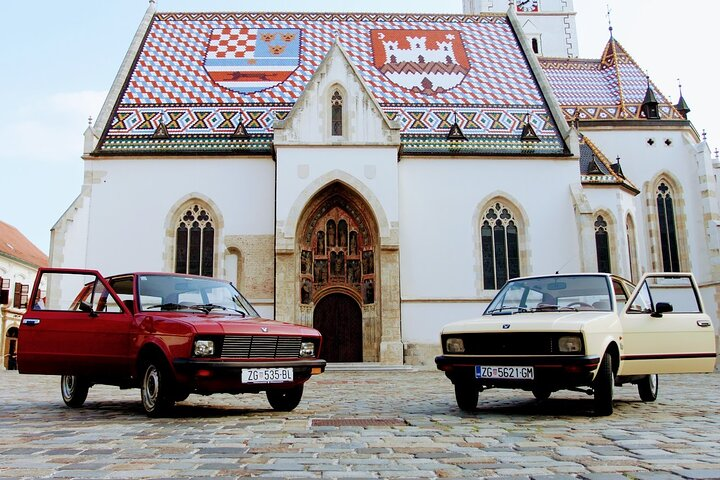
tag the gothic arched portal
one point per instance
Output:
(338, 246)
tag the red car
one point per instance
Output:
(168, 334)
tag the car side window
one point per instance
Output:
(74, 292)
(621, 296)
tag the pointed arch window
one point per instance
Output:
(336, 104)
(500, 246)
(602, 245)
(667, 227)
(195, 242)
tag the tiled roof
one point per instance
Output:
(596, 169)
(203, 74)
(610, 88)
(15, 245)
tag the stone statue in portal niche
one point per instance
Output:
(353, 243)
(331, 233)
(305, 292)
(320, 249)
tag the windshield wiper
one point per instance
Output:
(553, 308)
(167, 306)
(507, 310)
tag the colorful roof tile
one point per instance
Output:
(596, 169)
(610, 88)
(199, 76)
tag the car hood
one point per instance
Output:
(530, 322)
(218, 324)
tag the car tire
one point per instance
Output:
(466, 397)
(648, 388)
(156, 390)
(285, 399)
(603, 387)
(541, 394)
(74, 390)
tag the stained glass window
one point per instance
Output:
(499, 243)
(195, 242)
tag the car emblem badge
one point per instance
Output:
(264, 329)
(506, 326)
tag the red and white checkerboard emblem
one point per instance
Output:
(249, 60)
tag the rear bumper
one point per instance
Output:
(553, 372)
(208, 376)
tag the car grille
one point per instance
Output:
(510, 343)
(261, 346)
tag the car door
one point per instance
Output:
(665, 327)
(77, 326)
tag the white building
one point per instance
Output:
(19, 261)
(345, 174)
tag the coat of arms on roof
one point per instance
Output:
(249, 60)
(423, 61)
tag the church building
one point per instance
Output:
(377, 176)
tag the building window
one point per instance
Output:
(602, 245)
(500, 246)
(667, 226)
(337, 114)
(21, 295)
(632, 249)
(535, 45)
(4, 291)
(195, 242)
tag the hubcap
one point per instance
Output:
(150, 386)
(68, 385)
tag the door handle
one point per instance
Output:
(703, 323)
(31, 322)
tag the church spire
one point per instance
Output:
(650, 104)
(682, 106)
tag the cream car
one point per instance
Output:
(586, 332)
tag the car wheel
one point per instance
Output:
(285, 399)
(603, 387)
(541, 394)
(648, 388)
(466, 397)
(74, 390)
(156, 390)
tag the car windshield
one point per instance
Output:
(551, 294)
(191, 294)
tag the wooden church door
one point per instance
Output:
(339, 318)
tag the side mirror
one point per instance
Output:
(87, 308)
(660, 308)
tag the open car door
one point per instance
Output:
(666, 329)
(75, 324)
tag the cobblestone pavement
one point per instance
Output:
(381, 424)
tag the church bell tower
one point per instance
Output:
(549, 24)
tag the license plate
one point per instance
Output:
(510, 373)
(267, 375)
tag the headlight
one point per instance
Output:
(454, 345)
(307, 349)
(570, 344)
(204, 348)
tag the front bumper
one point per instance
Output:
(214, 376)
(554, 372)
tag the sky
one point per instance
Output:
(59, 59)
